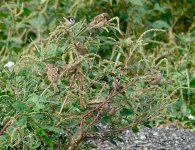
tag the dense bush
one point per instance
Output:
(140, 38)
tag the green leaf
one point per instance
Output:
(136, 2)
(126, 112)
(5, 93)
(53, 50)
(105, 120)
(37, 22)
(160, 24)
(147, 123)
(41, 134)
(22, 121)
(85, 65)
(121, 139)
(3, 140)
(174, 108)
(26, 11)
(135, 129)
(160, 8)
(24, 71)
(129, 92)
(37, 101)
(38, 117)
(185, 110)
(95, 129)
(192, 83)
(53, 129)
(19, 106)
(111, 139)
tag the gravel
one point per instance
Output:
(170, 138)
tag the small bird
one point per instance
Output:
(116, 85)
(80, 48)
(69, 21)
(98, 21)
(58, 32)
(52, 74)
(156, 79)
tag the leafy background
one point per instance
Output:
(153, 35)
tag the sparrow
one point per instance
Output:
(98, 21)
(52, 74)
(156, 79)
(80, 48)
(69, 21)
(57, 33)
(116, 85)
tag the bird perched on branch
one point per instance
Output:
(156, 79)
(116, 84)
(52, 74)
(80, 48)
(99, 21)
(69, 21)
(59, 31)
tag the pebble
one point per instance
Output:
(153, 139)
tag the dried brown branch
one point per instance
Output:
(100, 108)
(7, 125)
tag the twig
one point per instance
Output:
(109, 131)
(101, 106)
(96, 108)
(64, 71)
(7, 125)
(46, 89)
(82, 136)
(63, 104)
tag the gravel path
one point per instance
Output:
(170, 138)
